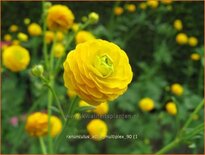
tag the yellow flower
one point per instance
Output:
(152, 3)
(59, 36)
(77, 116)
(34, 29)
(193, 41)
(171, 108)
(7, 37)
(195, 56)
(60, 17)
(58, 50)
(83, 104)
(143, 5)
(97, 129)
(101, 109)
(178, 24)
(13, 28)
(15, 42)
(27, 21)
(71, 93)
(146, 104)
(16, 58)
(177, 89)
(22, 36)
(56, 126)
(131, 7)
(166, 1)
(181, 39)
(37, 124)
(3, 47)
(93, 17)
(75, 27)
(83, 36)
(49, 36)
(118, 10)
(98, 71)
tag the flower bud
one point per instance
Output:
(93, 17)
(37, 70)
(47, 5)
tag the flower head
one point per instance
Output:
(118, 10)
(193, 41)
(49, 36)
(34, 29)
(166, 1)
(59, 17)
(178, 25)
(146, 104)
(182, 38)
(7, 37)
(58, 50)
(177, 89)
(16, 58)
(22, 36)
(71, 93)
(195, 56)
(83, 36)
(75, 27)
(97, 129)
(56, 126)
(13, 28)
(171, 108)
(101, 109)
(152, 3)
(97, 71)
(143, 5)
(59, 36)
(93, 17)
(131, 7)
(26, 21)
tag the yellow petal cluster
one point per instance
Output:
(171, 108)
(49, 36)
(13, 28)
(58, 50)
(195, 56)
(118, 10)
(178, 25)
(59, 17)
(98, 71)
(143, 5)
(177, 89)
(181, 38)
(16, 58)
(131, 7)
(146, 104)
(37, 125)
(34, 29)
(83, 36)
(153, 3)
(101, 109)
(7, 37)
(97, 129)
(166, 1)
(193, 41)
(22, 36)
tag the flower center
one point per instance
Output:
(104, 65)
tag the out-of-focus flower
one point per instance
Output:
(60, 18)
(177, 89)
(14, 121)
(60, 36)
(34, 29)
(143, 5)
(181, 38)
(195, 56)
(193, 41)
(146, 104)
(118, 10)
(22, 36)
(13, 28)
(93, 17)
(58, 50)
(75, 27)
(56, 126)
(71, 93)
(16, 58)
(130, 7)
(37, 70)
(27, 21)
(83, 36)
(171, 108)
(178, 25)
(49, 36)
(97, 129)
(77, 116)
(84, 18)
(102, 71)
(166, 1)
(101, 109)
(7, 37)
(15, 42)
(153, 3)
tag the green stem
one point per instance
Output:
(168, 147)
(43, 147)
(52, 54)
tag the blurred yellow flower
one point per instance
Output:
(58, 50)
(177, 89)
(77, 116)
(71, 93)
(34, 29)
(143, 5)
(27, 21)
(75, 27)
(97, 129)
(22, 36)
(130, 7)
(60, 17)
(178, 24)
(195, 56)
(56, 126)
(118, 10)
(15, 42)
(101, 109)
(7, 37)
(49, 36)
(193, 41)
(146, 104)
(83, 104)
(171, 108)
(153, 3)
(60, 36)
(166, 1)
(93, 17)
(98, 71)
(13, 28)
(16, 58)
(3, 47)
(181, 38)
(83, 36)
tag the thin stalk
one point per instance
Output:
(43, 147)
(168, 147)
